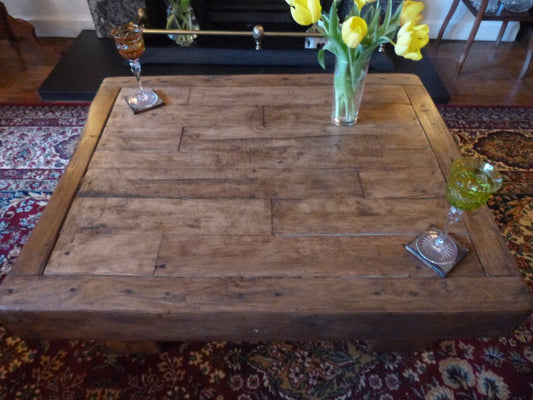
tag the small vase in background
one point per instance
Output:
(348, 86)
(180, 15)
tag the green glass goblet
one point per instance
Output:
(471, 183)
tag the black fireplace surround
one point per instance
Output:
(229, 15)
(91, 58)
(242, 15)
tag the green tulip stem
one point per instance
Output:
(348, 83)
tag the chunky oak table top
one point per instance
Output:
(237, 211)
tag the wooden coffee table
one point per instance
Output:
(237, 211)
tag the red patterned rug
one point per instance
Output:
(36, 143)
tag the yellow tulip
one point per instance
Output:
(411, 11)
(411, 38)
(305, 12)
(361, 3)
(354, 29)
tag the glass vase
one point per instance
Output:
(492, 6)
(180, 15)
(348, 85)
(517, 6)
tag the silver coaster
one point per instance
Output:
(137, 110)
(441, 270)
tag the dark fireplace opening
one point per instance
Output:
(231, 15)
(244, 14)
(212, 15)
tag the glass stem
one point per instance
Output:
(135, 66)
(453, 216)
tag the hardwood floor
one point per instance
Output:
(25, 65)
(489, 77)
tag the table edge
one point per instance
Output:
(36, 251)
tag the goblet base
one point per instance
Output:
(142, 100)
(443, 254)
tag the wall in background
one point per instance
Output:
(67, 18)
(461, 23)
(63, 18)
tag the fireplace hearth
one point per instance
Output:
(93, 56)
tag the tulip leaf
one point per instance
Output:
(321, 58)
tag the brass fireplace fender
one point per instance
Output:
(258, 33)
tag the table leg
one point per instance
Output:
(117, 347)
(398, 346)
(529, 55)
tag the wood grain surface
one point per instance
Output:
(237, 211)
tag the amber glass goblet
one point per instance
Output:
(130, 45)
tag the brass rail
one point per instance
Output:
(228, 33)
(258, 33)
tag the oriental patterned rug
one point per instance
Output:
(36, 143)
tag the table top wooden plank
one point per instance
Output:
(318, 79)
(313, 159)
(75, 254)
(195, 116)
(160, 138)
(237, 211)
(265, 183)
(210, 256)
(406, 134)
(294, 257)
(183, 216)
(355, 216)
(333, 146)
(164, 308)
(317, 115)
(286, 183)
(164, 138)
(292, 95)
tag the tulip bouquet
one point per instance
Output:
(353, 40)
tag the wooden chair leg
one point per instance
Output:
(117, 347)
(500, 34)
(473, 32)
(453, 8)
(4, 24)
(529, 56)
(16, 28)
